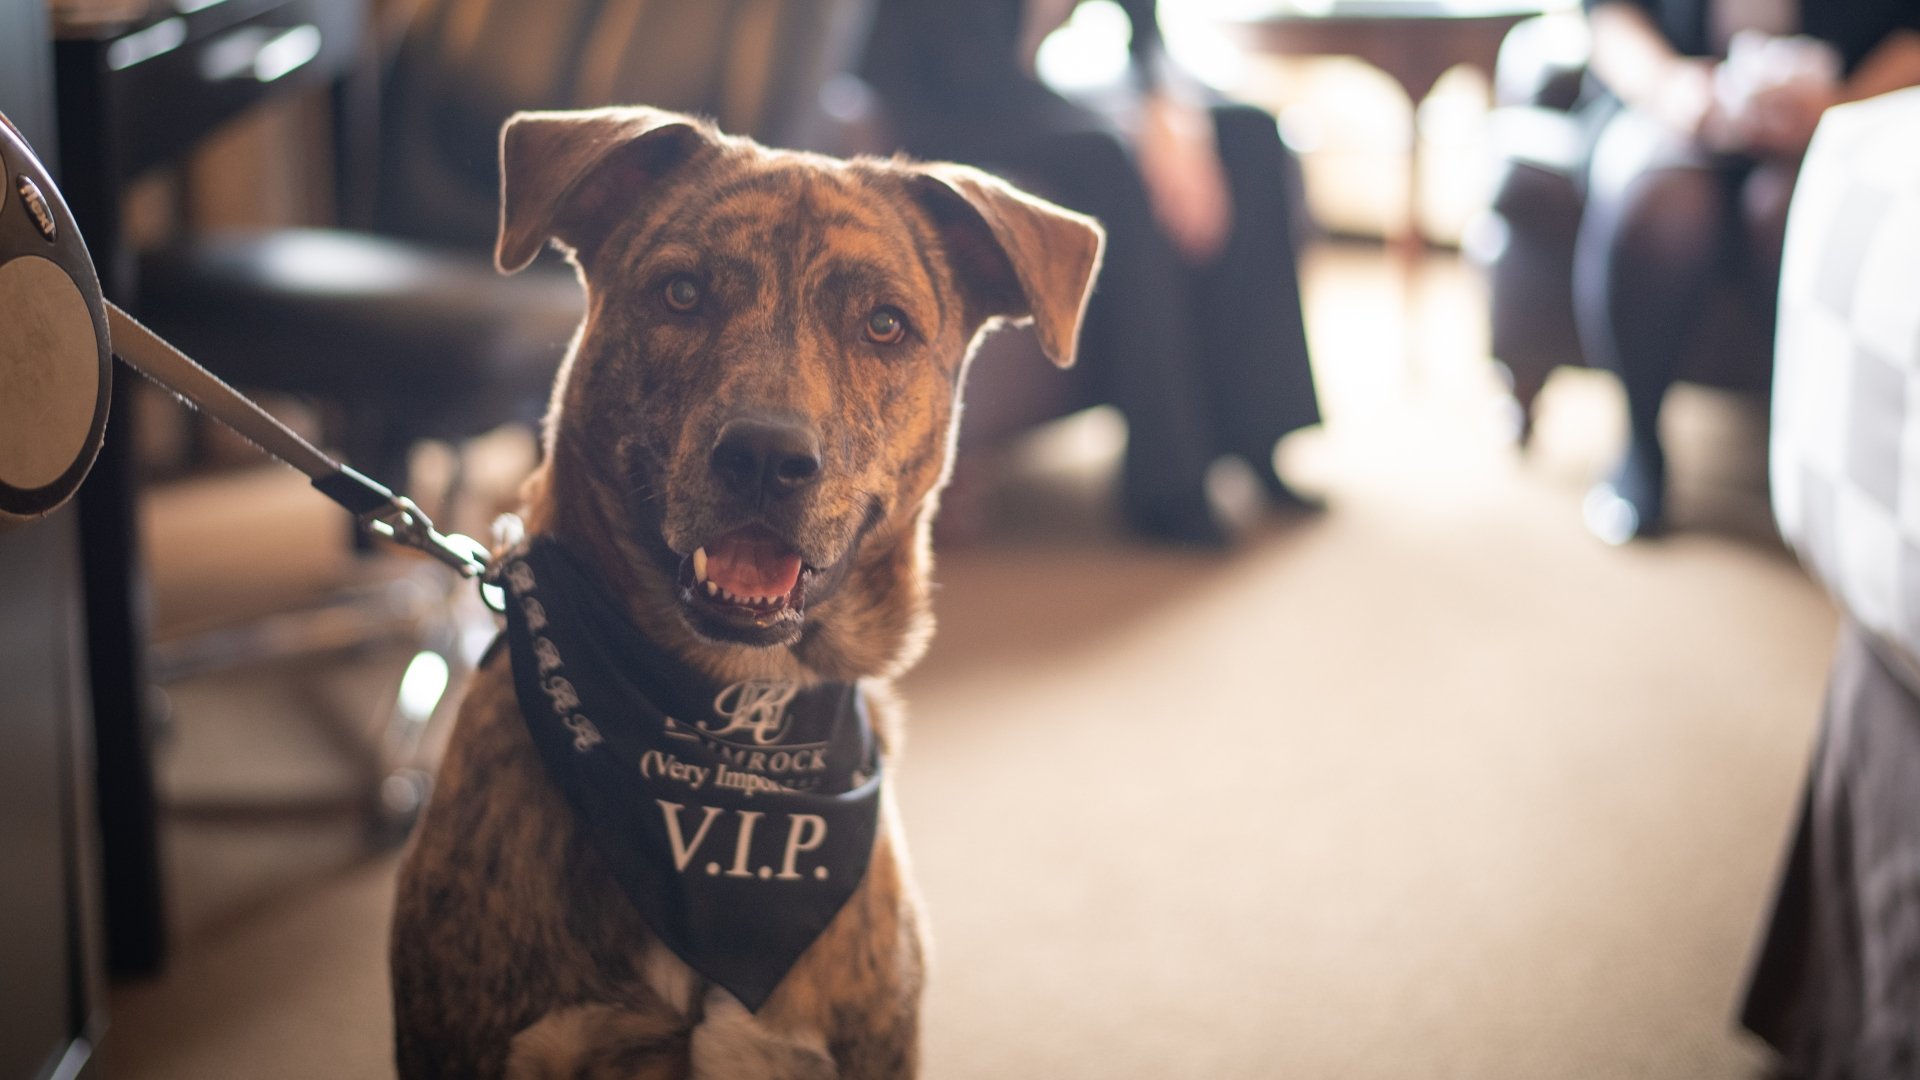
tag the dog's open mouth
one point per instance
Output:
(748, 585)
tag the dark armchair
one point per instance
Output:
(1542, 143)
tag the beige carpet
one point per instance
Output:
(1432, 786)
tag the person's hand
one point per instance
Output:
(1186, 183)
(1773, 90)
(1684, 99)
(1779, 120)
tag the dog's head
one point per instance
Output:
(758, 410)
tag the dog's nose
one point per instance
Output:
(774, 458)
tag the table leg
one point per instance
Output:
(131, 883)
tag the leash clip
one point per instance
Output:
(397, 518)
(402, 522)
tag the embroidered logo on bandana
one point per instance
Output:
(737, 818)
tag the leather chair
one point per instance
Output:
(1541, 142)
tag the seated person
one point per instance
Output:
(1194, 329)
(1712, 105)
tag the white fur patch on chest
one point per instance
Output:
(731, 1042)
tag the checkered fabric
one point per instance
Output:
(1846, 401)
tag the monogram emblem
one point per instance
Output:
(535, 613)
(755, 706)
(565, 698)
(585, 735)
(520, 576)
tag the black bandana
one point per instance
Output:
(738, 819)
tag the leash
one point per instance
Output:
(394, 517)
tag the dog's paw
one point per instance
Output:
(730, 1044)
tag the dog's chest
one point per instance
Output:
(736, 817)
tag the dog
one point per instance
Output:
(745, 445)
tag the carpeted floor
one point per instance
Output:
(1429, 786)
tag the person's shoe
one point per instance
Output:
(1631, 503)
(1184, 522)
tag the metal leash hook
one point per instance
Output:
(405, 523)
(398, 519)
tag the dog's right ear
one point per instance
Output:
(565, 175)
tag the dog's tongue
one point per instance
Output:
(752, 562)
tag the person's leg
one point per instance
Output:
(1137, 331)
(1651, 238)
(1246, 304)
(1764, 197)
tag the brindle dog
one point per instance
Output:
(773, 349)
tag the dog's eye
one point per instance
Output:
(886, 326)
(682, 293)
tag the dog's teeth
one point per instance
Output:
(761, 603)
(699, 564)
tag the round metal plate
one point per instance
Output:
(47, 366)
(54, 359)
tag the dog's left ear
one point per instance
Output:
(1024, 256)
(564, 175)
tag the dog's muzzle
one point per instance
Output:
(750, 584)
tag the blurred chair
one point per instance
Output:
(402, 331)
(1541, 143)
(1836, 988)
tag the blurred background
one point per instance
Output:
(1425, 782)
